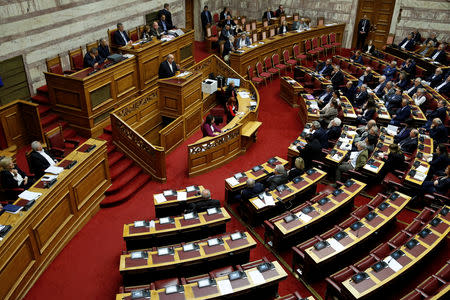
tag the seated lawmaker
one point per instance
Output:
(268, 14)
(329, 112)
(395, 160)
(283, 28)
(402, 114)
(103, 49)
(361, 97)
(334, 129)
(436, 78)
(403, 81)
(226, 33)
(368, 112)
(165, 27)
(227, 48)
(311, 151)
(337, 77)
(432, 38)
(120, 37)
(156, 31)
(325, 97)
(440, 112)
(408, 66)
(320, 134)
(303, 25)
(443, 88)
(419, 97)
(394, 101)
(426, 49)
(243, 41)
(168, 68)
(349, 91)
(11, 176)
(92, 59)
(366, 77)
(356, 160)
(253, 189)
(146, 34)
(390, 70)
(232, 108)
(439, 54)
(39, 160)
(440, 185)
(325, 68)
(407, 43)
(369, 48)
(204, 204)
(413, 89)
(357, 58)
(404, 133)
(409, 144)
(209, 128)
(417, 38)
(439, 161)
(438, 131)
(379, 89)
(298, 170)
(279, 177)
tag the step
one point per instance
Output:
(114, 157)
(108, 129)
(126, 192)
(121, 181)
(107, 137)
(43, 89)
(69, 133)
(111, 148)
(61, 123)
(49, 119)
(43, 109)
(120, 168)
(41, 99)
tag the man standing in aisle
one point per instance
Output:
(363, 32)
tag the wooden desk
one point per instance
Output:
(411, 257)
(150, 55)
(290, 91)
(267, 169)
(86, 99)
(141, 271)
(427, 64)
(321, 261)
(277, 44)
(343, 145)
(375, 163)
(180, 230)
(246, 285)
(312, 107)
(259, 209)
(420, 165)
(169, 206)
(303, 225)
(349, 112)
(39, 234)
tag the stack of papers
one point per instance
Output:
(269, 200)
(258, 203)
(182, 196)
(27, 195)
(253, 103)
(160, 198)
(422, 169)
(393, 264)
(336, 157)
(244, 94)
(256, 277)
(304, 218)
(346, 147)
(252, 46)
(128, 55)
(54, 170)
(351, 115)
(225, 287)
(232, 181)
(335, 245)
(420, 176)
(183, 74)
(392, 130)
(49, 177)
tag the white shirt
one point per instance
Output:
(47, 157)
(436, 55)
(410, 90)
(353, 157)
(17, 178)
(441, 85)
(170, 66)
(123, 36)
(419, 101)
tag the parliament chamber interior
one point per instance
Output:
(225, 149)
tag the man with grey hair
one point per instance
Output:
(409, 144)
(279, 177)
(253, 188)
(390, 70)
(334, 129)
(39, 160)
(337, 77)
(356, 160)
(419, 97)
(379, 89)
(168, 68)
(204, 204)
(103, 49)
(438, 132)
(417, 85)
(320, 134)
(325, 97)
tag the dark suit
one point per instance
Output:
(226, 33)
(366, 47)
(414, 90)
(227, 47)
(281, 28)
(334, 132)
(401, 116)
(442, 186)
(206, 18)
(394, 161)
(311, 151)
(440, 113)
(408, 44)
(228, 22)
(276, 180)
(279, 12)
(358, 59)
(417, 38)
(271, 15)
(324, 69)
(327, 97)
(249, 193)
(168, 15)
(164, 26)
(380, 91)
(90, 61)
(442, 56)
(403, 84)
(38, 163)
(224, 15)
(164, 69)
(434, 80)
(361, 98)
(230, 91)
(156, 32)
(118, 39)
(410, 69)
(403, 134)
(363, 26)
(408, 145)
(294, 172)
(444, 90)
(435, 41)
(389, 72)
(438, 164)
(439, 134)
(103, 51)
(8, 181)
(337, 79)
(349, 93)
(321, 135)
(393, 101)
(366, 116)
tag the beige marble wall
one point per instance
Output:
(42, 29)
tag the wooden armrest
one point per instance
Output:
(268, 225)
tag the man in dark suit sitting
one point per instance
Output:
(228, 21)
(165, 11)
(204, 204)
(279, 177)
(357, 58)
(349, 91)
(393, 101)
(409, 144)
(438, 132)
(311, 151)
(120, 37)
(337, 77)
(403, 113)
(440, 112)
(92, 59)
(443, 88)
(407, 43)
(366, 77)
(361, 97)
(325, 97)
(268, 14)
(168, 68)
(334, 129)
(417, 85)
(253, 188)
(39, 160)
(156, 31)
(439, 54)
(103, 49)
(436, 78)
(164, 25)
(379, 89)
(320, 134)
(325, 68)
(404, 133)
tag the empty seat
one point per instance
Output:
(444, 273)
(382, 251)
(361, 212)
(365, 263)
(197, 278)
(430, 286)
(399, 239)
(377, 200)
(414, 227)
(253, 264)
(348, 222)
(414, 295)
(330, 233)
(426, 215)
(163, 283)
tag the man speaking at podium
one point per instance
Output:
(168, 68)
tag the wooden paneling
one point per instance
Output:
(379, 12)
(172, 135)
(193, 120)
(189, 13)
(83, 189)
(14, 77)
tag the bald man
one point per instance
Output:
(168, 68)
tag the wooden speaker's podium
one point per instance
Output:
(178, 93)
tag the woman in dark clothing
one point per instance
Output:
(439, 162)
(368, 111)
(395, 160)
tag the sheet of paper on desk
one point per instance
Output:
(335, 244)
(336, 157)
(351, 115)
(160, 198)
(258, 203)
(345, 147)
(257, 277)
(152, 224)
(183, 74)
(54, 170)
(305, 218)
(27, 195)
(269, 200)
(232, 181)
(225, 287)
(344, 140)
(393, 264)
(244, 94)
(182, 196)
(422, 169)
(314, 105)
(253, 103)
(392, 130)
(350, 132)
(420, 176)
(252, 46)
(128, 55)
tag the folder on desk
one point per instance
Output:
(13, 209)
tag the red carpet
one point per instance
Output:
(88, 267)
